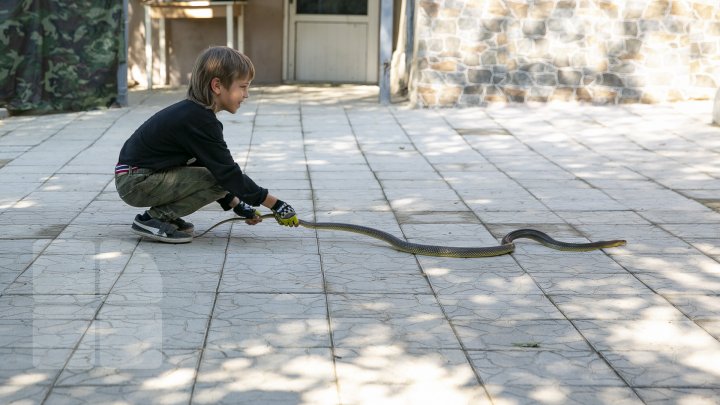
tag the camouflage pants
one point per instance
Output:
(171, 193)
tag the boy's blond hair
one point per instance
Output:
(226, 64)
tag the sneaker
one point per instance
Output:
(159, 230)
(183, 226)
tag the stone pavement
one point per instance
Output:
(89, 313)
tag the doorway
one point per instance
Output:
(332, 41)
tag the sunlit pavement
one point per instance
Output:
(89, 313)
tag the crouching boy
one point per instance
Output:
(177, 161)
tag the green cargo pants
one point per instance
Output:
(171, 193)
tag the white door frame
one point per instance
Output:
(290, 18)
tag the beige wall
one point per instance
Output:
(264, 39)
(188, 37)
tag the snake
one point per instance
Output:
(506, 246)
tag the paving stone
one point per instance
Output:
(414, 332)
(493, 307)
(580, 368)
(172, 389)
(163, 305)
(557, 335)
(666, 369)
(698, 396)
(93, 313)
(390, 373)
(130, 366)
(561, 393)
(266, 376)
(235, 334)
(607, 307)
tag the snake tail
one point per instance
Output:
(546, 240)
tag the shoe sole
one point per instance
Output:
(165, 239)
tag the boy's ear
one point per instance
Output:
(215, 85)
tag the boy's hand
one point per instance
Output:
(285, 214)
(251, 215)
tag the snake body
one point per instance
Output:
(506, 245)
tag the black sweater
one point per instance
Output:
(187, 133)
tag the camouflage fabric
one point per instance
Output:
(59, 55)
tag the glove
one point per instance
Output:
(246, 211)
(285, 214)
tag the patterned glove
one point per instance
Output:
(246, 211)
(285, 214)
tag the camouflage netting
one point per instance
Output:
(59, 55)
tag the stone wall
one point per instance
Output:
(469, 52)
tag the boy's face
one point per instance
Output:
(230, 99)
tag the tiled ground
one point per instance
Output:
(91, 314)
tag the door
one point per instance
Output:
(333, 41)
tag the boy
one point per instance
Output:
(177, 161)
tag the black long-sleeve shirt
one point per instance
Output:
(187, 133)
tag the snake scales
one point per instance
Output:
(506, 245)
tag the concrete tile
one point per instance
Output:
(384, 306)
(25, 393)
(493, 307)
(388, 374)
(711, 327)
(236, 334)
(671, 282)
(700, 396)
(153, 306)
(274, 306)
(41, 333)
(340, 280)
(161, 389)
(20, 248)
(266, 376)
(129, 366)
(26, 367)
(69, 274)
(556, 335)
(269, 245)
(129, 334)
(464, 283)
(41, 307)
(608, 307)
(26, 231)
(97, 248)
(465, 235)
(689, 263)
(413, 332)
(580, 368)
(647, 335)
(399, 322)
(11, 265)
(697, 307)
(561, 393)
(440, 266)
(590, 284)
(275, 274)
(642, 239)
(667, 369)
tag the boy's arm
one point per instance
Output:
(284, 213)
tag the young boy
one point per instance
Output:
(177, 161)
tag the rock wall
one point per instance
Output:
(470, 52)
